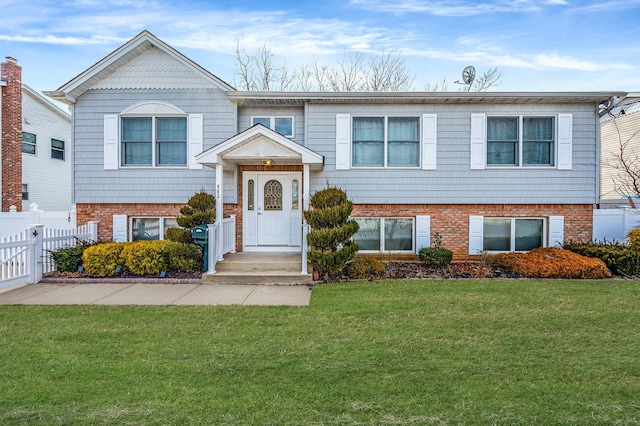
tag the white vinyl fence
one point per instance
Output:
(614, 224)
(13, 219)
(26, 256)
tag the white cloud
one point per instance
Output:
(67, 41)
(447, 8)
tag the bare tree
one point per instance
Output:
(388, 73)
(491, 77)
(441, 86)
(356, 71)
(257, 72)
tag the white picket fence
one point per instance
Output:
(26, 256)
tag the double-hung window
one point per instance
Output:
(57, 149)
(388, 234)
(520, 141)
(282, 125)
(154, 141)
(386, 142)
(28, 143)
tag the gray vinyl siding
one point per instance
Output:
(93, 184)
(453, 182)
(245, 114)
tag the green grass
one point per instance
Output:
(442, 352)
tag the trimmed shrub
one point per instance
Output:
(179, 235)
(200, 210)
(184, 257)
(101, 260)
(68, 259)
(550, 262)
(330, 245)
(144, 258)
(619, 258)
(153, 257)
(366, 268)
(634, 238)
(435, 257)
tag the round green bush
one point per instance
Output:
(435, 257)
(179, 235)
(102, 260)
(366, 268)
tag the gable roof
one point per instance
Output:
(39, 97)
(132, 49)
(259, 143)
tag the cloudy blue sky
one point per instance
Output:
(540, 45)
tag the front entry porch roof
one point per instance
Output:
(257, 145)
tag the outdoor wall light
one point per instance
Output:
(267, 162)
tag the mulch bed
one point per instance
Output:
(419, 270)
(395, 270)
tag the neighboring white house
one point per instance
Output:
(46, 153)
(621, 125)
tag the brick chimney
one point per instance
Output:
(11, 134)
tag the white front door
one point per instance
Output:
(272, 210)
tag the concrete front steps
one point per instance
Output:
(259, 269)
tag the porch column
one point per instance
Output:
(219, 208)
(305, 207)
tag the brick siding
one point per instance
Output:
(451, 221)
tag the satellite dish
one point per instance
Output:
(468, 74)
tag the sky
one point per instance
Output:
(539, 45)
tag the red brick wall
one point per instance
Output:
(103, 213)
(11, 72)
(451, 221)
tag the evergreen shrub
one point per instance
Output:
(435, 257)
(68, 259)
(363, 268)
(550, 262)
(330, 244)
(200, 210)
(101, 260)
(619, 258)
(142, 258)
(634, 238)
(179, 235)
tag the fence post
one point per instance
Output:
(93, 230)
(36, 255)
(305, 247)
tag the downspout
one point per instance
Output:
(598, 156)
(72, 107)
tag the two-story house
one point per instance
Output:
(46, 169)
(486, 171)
(34, 141)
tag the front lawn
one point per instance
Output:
(436, 352)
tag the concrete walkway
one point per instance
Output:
(155, 294)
